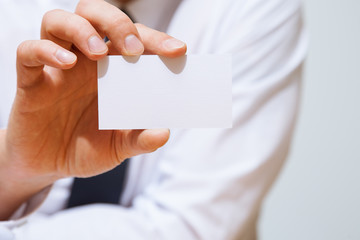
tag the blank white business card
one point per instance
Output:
(192, 91)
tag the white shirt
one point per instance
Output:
(204, 183)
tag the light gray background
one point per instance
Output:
(317, 196)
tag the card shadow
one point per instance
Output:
(131, 59)
(175, 65)
(103, 66)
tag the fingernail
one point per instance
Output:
(173, 43)
(133, 46)
(97, 45)
(65, 56)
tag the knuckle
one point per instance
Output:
(48, 19)
(124, 147)
(49, 15)
(21, 49)
(85, 7)
(140, 25)
(36, 50)
(122, 22)
(80, 8)
(82, 23)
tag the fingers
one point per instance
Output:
(141, 141)
(114, 24)
(33, 55)
(66, 29)
(95, 19)
(160, 43)
(156, 43)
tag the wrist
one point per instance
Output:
(17, 184)
(18, 171)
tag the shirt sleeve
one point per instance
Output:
(21, 215)
(209, 183)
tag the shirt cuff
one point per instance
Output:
(26, 209)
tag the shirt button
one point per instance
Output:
(6, 234)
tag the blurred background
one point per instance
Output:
(317, 196)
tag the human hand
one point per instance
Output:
(53, 127)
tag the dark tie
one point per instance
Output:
(103, 188)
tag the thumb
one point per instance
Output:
(136, 142)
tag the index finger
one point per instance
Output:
(112, 22)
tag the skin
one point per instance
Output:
(53, 129)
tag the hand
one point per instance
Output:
(53, 127)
